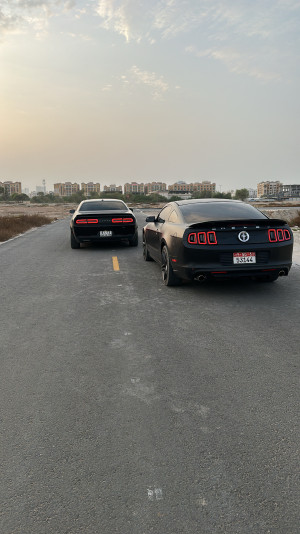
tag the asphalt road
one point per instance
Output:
(128, 407)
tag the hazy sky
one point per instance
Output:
(150, 90)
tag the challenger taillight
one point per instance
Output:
(202, 238)
(86, 221)
(278, 235)
(123, 220)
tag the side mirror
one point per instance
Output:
(72, 211)
(151, 219)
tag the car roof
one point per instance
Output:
(205, 200)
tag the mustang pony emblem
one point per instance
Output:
(244, 236)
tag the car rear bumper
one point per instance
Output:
(219, 263)
(240, 272)
(85, 235)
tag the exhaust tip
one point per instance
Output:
(200, 278)
(282, 273)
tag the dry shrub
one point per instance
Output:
(262, 204)
(13, 225)
(296, 220)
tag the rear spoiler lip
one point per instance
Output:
(102, 215)
(239, 222)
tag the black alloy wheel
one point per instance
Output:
(146, 254)
(168, 275)
(74, 243)
(134, 241)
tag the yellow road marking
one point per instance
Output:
(115, 263)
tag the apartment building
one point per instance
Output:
(155, 187)
(197, 187)
(134, 187)
(252, 193)
(112, 188)
(268, 189)
(89, 188)
(290, 191)
(66, 189)
(11, 187)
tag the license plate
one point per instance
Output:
(244, 257)
(105, 233)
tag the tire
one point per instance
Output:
(168, 275)
(146, 254)
(134, 241)
(74, 243)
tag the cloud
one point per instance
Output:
(81, 36)
(257, 39)
(136, 77)
(8, 22)
(236, 62)
(156, 83)
(19, 16)
(137, 20)
(243, 35)
(114, 17)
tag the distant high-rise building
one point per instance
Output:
(290, 191)
(155, 187)
(197, 187)
(134, 187)
(11, 187)
(40, 189)
(112, 188)
(252, 192)
(66, 189)
(268, 189)
(89, 188)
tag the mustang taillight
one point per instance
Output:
(203, 238)
(122, 220)
(278, 235)
(86, 221)
(212, 238)
(192, 238)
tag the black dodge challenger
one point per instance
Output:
(215, 238)
(101, 220)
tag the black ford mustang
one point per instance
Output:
(102, 220)
(215, 238)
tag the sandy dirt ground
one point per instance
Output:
(60, 211)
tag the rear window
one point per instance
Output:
(111, 205)
(218, 211)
